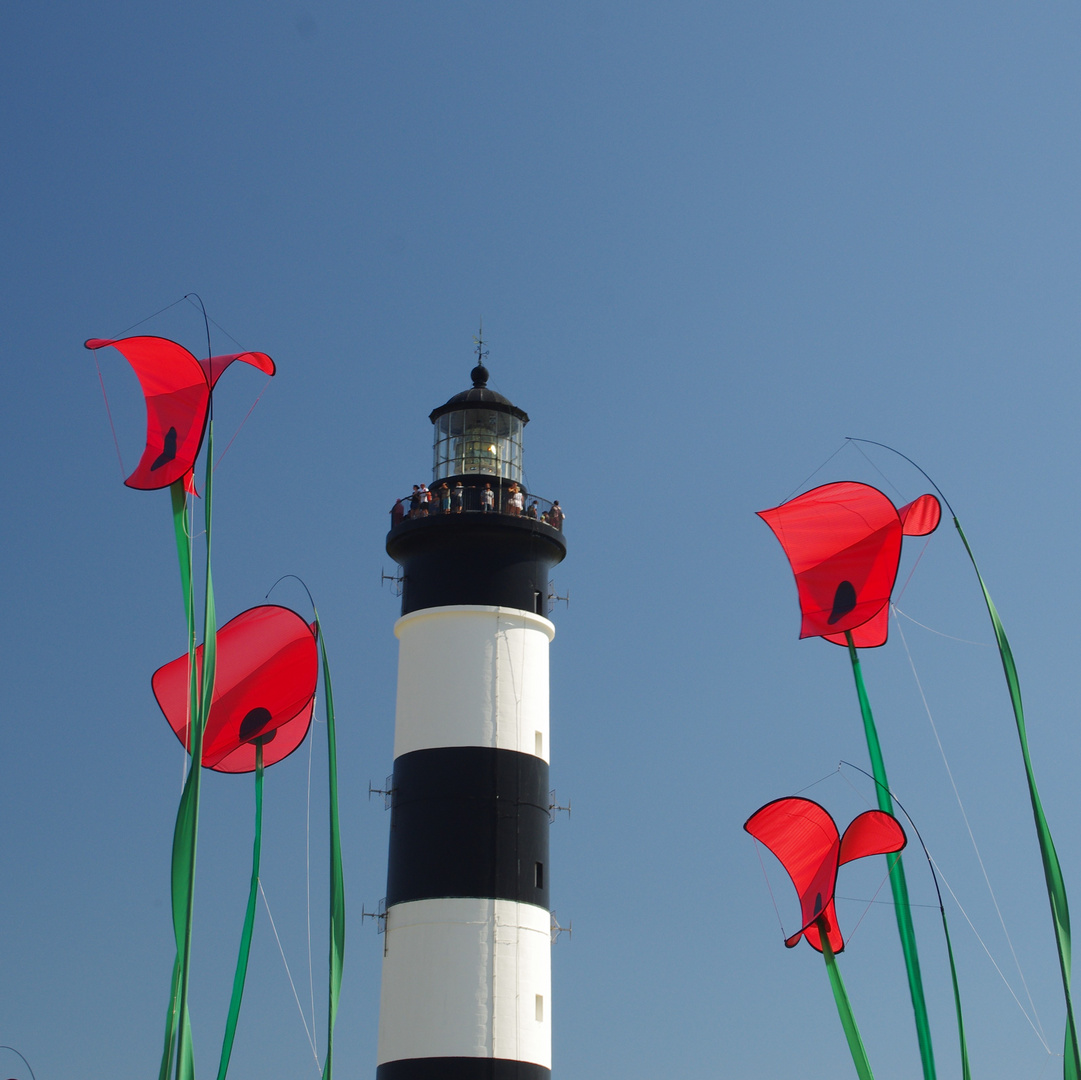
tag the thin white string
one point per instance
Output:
(932, 630)
(289, 974)
(923, 551)
(874, 896)
(885, 478)
(820, 780)
(1038, 1031)
(815, 473)
(769, 887)
(971, 836)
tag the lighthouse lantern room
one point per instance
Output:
(466, 990)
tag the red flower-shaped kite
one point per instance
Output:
(843, 542)
(804, 837)
(264, 689)
(177, 389)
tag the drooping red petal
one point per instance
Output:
(267, 667)
(214, 367)
(833, 931)
(921, 516)
(177, 396)
(868, 635)
(843, 542)
(804, 838)
(874, 832)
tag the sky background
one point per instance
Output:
(708, 241)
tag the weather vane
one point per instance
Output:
(479, 341)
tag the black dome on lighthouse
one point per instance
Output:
(479, 395)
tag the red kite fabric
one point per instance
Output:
(804, 837)
(843, 542)
(177, 390)
(264, 689)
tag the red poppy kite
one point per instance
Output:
(805, 839)
(264, 689)
(177, 389)
(843, 542)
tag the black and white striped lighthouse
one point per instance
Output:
(466, 991)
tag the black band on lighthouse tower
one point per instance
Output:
(469, 821)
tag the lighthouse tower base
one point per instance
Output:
(466, 989)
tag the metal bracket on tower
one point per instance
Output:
(380, 916)
(557, 929)
(554, 807)
(396, 579)
(554, 596)
(387, 792)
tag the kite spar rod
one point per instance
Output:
(1052, 870)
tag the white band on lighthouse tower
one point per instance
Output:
(466, 977)
(472, 675)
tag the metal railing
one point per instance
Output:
(509, 499)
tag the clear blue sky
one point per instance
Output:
(708, 241)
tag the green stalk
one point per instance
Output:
(844, 1008)
(1052, 871)
(965, 1073)
(898, 884)
(249, 921)
(178, 496)
(337, 883)
(187, 826)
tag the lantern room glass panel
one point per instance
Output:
(483, 442)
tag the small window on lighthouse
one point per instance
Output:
(540, 1007)
(538, 743)
(538, 875)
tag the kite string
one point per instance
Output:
(214, 321)
(815, 473)
(769, 887)
(820, 780)
(875, 467)
(289, 974)
(109, 414)
(968, 826)
(931, 630)
(923, 551)
(874, 897)
(994, 964)
(154, 316)
(242, 422)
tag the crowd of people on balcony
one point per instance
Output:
(446, 499)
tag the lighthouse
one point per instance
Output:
(467, 990)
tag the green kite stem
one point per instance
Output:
(179, 499)
(965, 1073)
(249, 922)
(185, 836)
(898, 884)
(337, 884)
(844, 1008)
(1052, 872)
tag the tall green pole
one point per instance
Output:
(898, 884)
